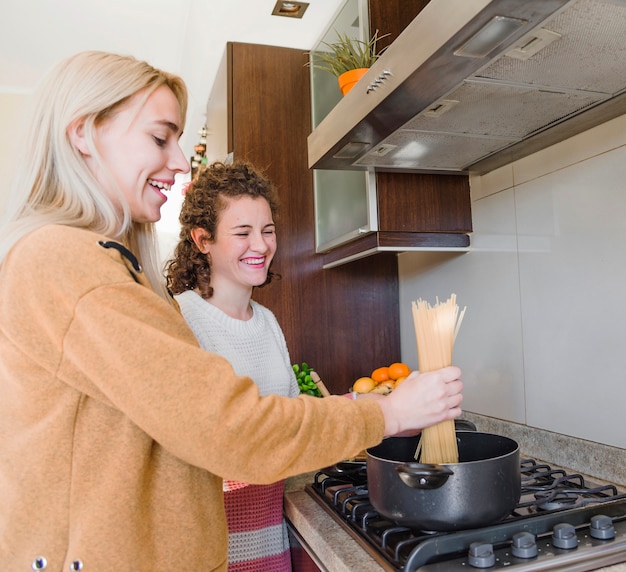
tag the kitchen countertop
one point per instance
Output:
(333, 546)
(338, 551)
(599, 461)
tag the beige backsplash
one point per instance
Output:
(592, 459)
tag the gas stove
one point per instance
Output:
(562, 522)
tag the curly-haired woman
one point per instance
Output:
(227, 243)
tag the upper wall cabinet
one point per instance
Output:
(360, 213)
(415, 213)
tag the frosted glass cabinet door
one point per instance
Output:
(345, 207)
(345, 201)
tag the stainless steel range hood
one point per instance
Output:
(472, 85)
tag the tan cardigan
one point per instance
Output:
(116, 429)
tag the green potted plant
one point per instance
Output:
(348, 58)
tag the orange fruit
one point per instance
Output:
(380, 374)
(397, 370)
(363, 385)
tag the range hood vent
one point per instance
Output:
(471, 86)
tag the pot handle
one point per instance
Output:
(423, 475)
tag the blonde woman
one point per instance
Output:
(116, 428)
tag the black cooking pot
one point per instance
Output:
(482, 488)
(356, 471)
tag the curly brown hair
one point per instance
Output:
(203, 203)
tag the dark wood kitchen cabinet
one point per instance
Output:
(414, 211)
(392, 16)
(342, 321)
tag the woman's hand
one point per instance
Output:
(423, 399)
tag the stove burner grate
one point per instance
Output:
(549, 497)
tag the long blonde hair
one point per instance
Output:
(53, 184)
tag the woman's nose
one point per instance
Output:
(178, 162)
(258, 242)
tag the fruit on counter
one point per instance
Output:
(380, 374)
(383, 379)
(398, 370)
(304, 379)
(364, 385)
(383, 388)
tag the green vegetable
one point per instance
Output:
(305, 381)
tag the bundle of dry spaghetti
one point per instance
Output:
(436, 328)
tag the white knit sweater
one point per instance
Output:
(255, 347)
(257, 535)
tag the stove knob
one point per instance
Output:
(602, 527)
(524, 545)
(481, 555)
(564, 536)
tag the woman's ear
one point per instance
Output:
(201, 239)
(76, 133)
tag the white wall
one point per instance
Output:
(543, 338)
(187, 37)
(12, 110)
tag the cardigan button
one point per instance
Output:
(39, 563)
(76, 565)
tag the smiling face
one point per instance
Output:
(139, 145)
(244, 245)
